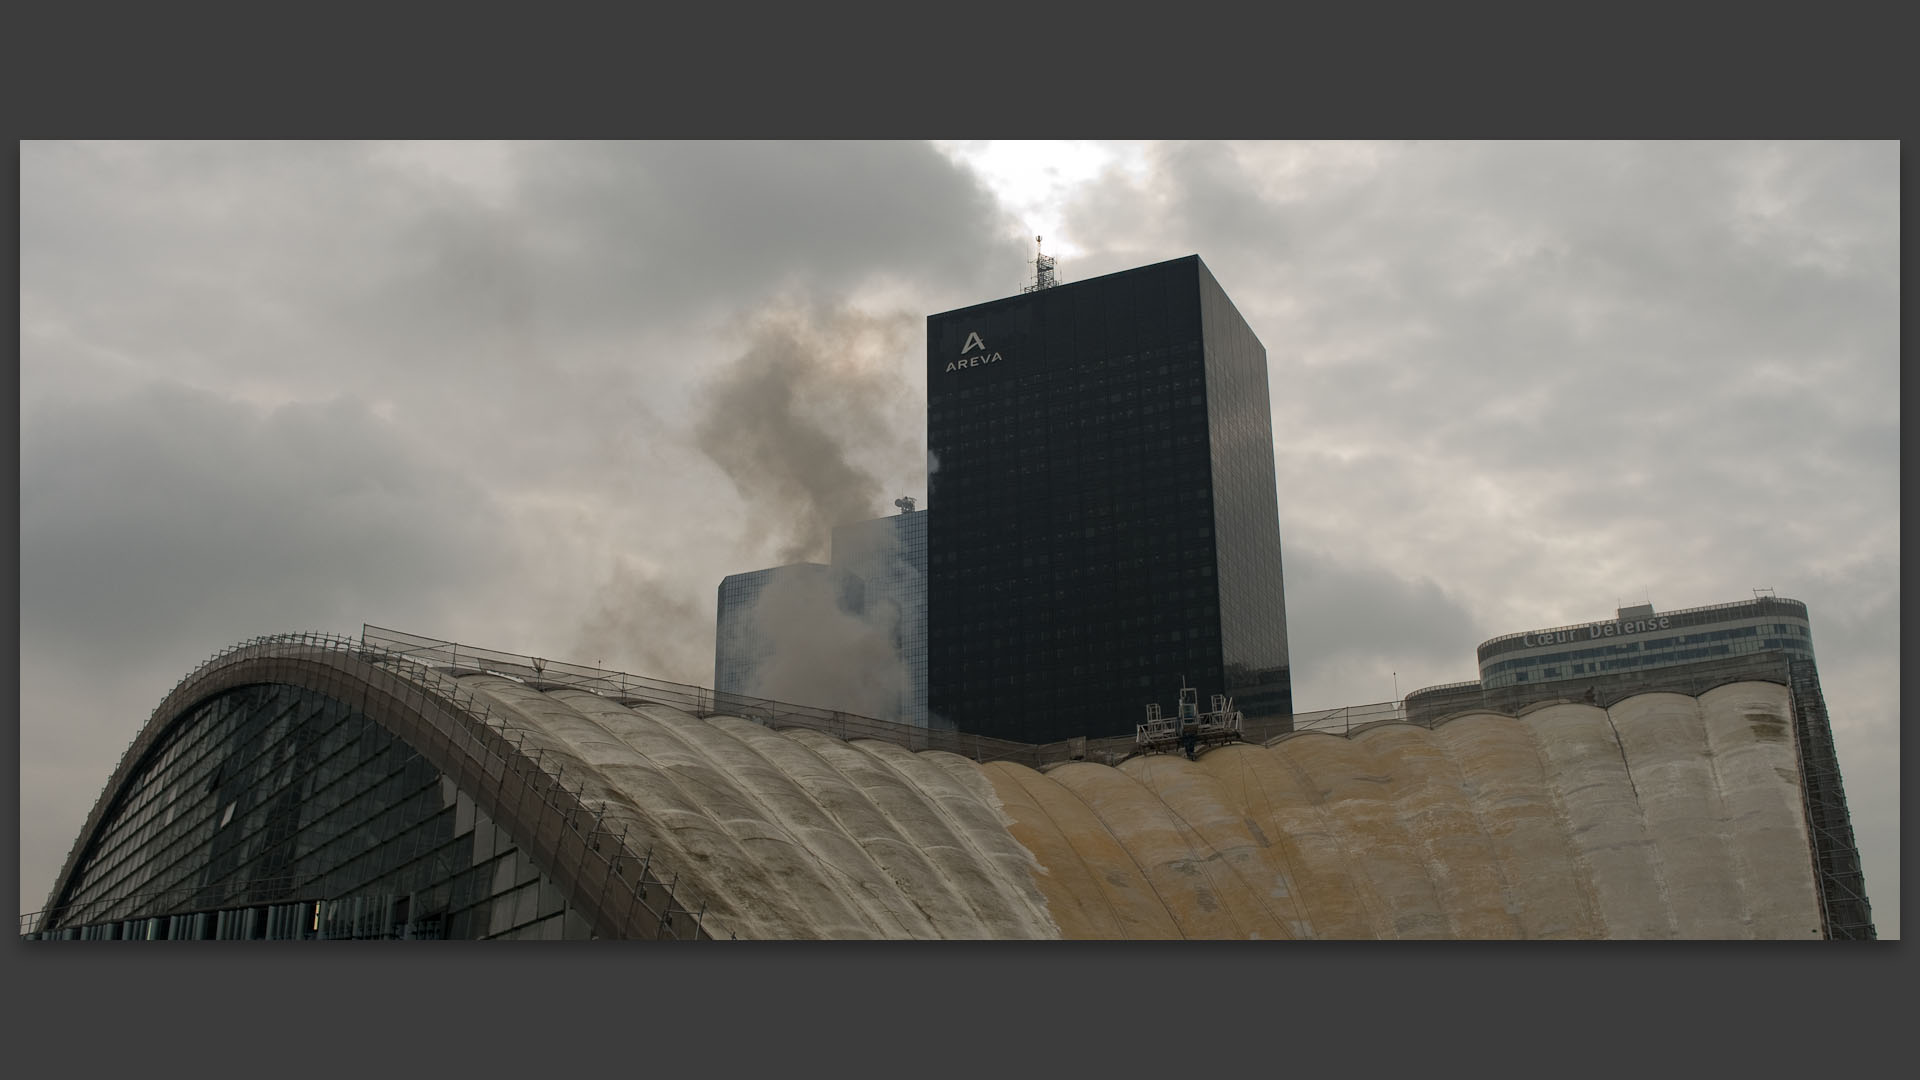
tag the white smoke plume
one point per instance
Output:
(823, 655)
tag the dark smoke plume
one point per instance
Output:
(642, 626)
(799, 418)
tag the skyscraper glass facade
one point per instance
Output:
(883, 567)
(1101, 457)
(742, 643)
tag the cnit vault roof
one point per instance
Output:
(1662, 816)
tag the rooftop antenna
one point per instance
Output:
(1042, 270)
(905, 503)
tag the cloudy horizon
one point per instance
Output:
(542, 397)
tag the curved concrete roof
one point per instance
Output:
(1666, 816)
(1663, 816)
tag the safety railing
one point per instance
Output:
(621, 867)
(636, 690)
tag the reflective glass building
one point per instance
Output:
(878, 576)
(882, 567)
(1101, 455)
(741, 643)
(1637, 639)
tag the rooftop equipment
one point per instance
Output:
(1190, 729)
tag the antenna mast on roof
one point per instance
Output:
(1042, 270)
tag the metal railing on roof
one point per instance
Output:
(441, 664)
(632, 690)
(1444, 687)
(629, 689)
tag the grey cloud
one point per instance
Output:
(1370, 609)
(207, 256)
(315, 266)
(1473, 243)
(168, 512)
(661, 227)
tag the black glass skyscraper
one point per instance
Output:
(1101, 462)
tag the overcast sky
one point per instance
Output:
(541, 398)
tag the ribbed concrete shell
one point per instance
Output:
(1664, 816)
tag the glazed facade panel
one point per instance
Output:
(1073, 569)
(740, 643)
(1246, 510)
(270, 795)
(882, 564)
